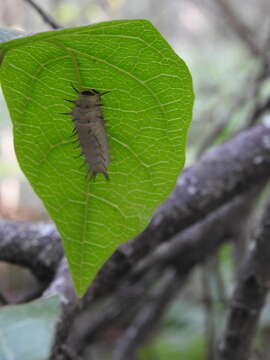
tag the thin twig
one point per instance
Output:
(241, 29)
(46, 17)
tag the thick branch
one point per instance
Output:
(229, 169)
(198, 242)
(248, 298)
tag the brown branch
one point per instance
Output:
(231, 168)
(249, 297)
(195, 244)
(46, 17)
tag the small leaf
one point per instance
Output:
(27, 331)
(148, 108)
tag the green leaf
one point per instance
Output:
(148, 107)
(26, 331)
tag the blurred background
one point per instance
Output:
(224, 45)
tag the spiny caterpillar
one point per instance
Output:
(89, 127)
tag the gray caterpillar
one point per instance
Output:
(89, 127)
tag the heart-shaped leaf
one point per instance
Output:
(148, 108)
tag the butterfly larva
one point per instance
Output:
(89, 127)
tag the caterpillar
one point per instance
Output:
(89, 127)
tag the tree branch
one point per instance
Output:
(249, 297)
(229, 169)
(195, 244)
